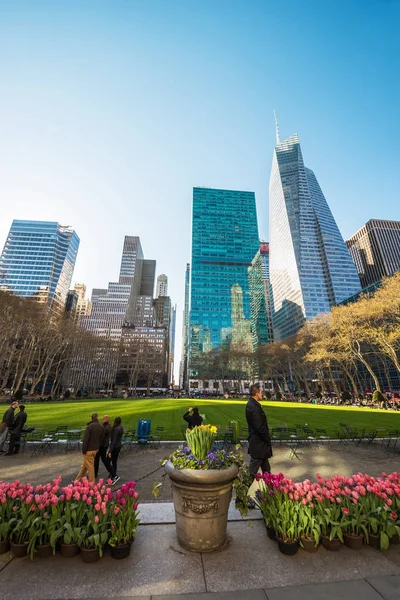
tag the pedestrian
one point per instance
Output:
(90, 446)
(7, 422)
(193, 418)
(117, 432)
(260, 447)
(103, 450)
(15, 431)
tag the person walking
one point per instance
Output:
(193, 418)
(103, 450)
(90, 446)
(117, 432)
(260, 447)
(15, 431)
(7, 423)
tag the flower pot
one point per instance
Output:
(308, 544)
(119, 552)
(332, 545)
(374, 541)
(19, 550)
(270, 532)
(288, 548)
(201, 502)
(355, 542)
(395, 539)
(69, 550)
(4, 546)
(90, 555)
(44, 551)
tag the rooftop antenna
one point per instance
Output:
(278, 139)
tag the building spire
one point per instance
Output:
(278, 139)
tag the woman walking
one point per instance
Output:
(115, 447)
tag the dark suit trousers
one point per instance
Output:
(256, 463)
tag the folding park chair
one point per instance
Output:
(155, 439)
(143, 433)
(309, 437)
(293, 440)
(393, 435)
(244, 442)
(41, 444)
(322, 435)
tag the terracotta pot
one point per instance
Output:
(332, 545)
(90, 555)
(288, 548)
(44, 551)
(69, 550)
(308, 545)
(355, 542)
(201, 502)
(4, 546)
(19, 550)
(270, 532)
(375, 541)
(120, 552)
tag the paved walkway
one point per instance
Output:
(250, 567)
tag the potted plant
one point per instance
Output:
(6, 511)
(71, 516)
(202, 475)
(124, 521)
(287, 522)
(23, 515)
(44, 518)
(329, 519)
(93, 534)
(309, 527)
(266, 500)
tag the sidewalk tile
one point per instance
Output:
(5, 559)
(341, 590)
(252, 561)
(388, 587)
(157, 565)
(239, 595)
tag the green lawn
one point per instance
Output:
(169, 412)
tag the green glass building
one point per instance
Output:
(224, 243)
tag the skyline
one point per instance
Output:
(112, 115)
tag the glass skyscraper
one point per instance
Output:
(311, 269)
(38, 261)
(224, 242)
(260, 298)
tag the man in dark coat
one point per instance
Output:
(260, 448)
(7, 423)
(16, 429)
(91, 443)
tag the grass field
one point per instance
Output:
(168, 413)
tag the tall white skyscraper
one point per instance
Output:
(162, 286)
(311, 269)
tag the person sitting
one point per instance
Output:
(193, 418)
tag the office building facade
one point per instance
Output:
(311, 269)
(260, 298)
(162, 286)
(375, 250)
(38, 262)
(183, 366)
(224, 242)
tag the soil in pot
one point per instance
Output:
(288, 548)
(119, 552)
(308, 545)
(332, 545)
(44, 551)
(355, 542)
(69, 550)
(4, 546)
(374, 541)
(90, 555)
(19, 550)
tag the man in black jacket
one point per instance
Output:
(91, 443)
(6, 423)
(103, 450)
(260, 448)
(16, 429)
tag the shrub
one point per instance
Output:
(377, 396)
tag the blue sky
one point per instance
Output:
(110, 113)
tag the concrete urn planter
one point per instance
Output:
(201, 502)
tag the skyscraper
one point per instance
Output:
(38, 261)
(311, 269)
(260, 298)
(162, 286)
(224, 242)
(375, 249)
(183, 367)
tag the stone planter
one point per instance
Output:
(201, 502)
